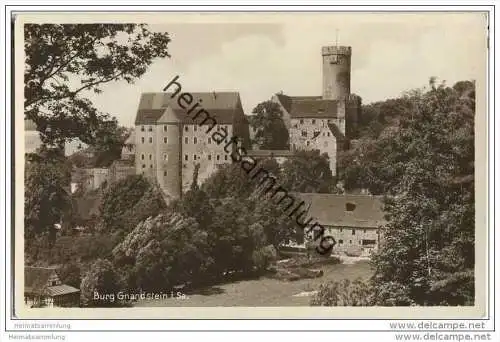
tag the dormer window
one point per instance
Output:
(349, 206)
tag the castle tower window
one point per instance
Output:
(328, 134)
(165, 156)
(364, 231)
(304, 133)
(186, 128)
(194, 156)
(150, 157)
(142, 140)
(341, 230)
(341, 242)
(142, 156)
(143, 166)
(225, 157)
(151, 166)
(350, 241)
(209, 141)
(209, 157)
(195, 140)
(186, 140)
(142, 128)
(218, 157)
(307, 143)
(195, 128)
(186, 157)
(165, 128)
(165, 140)
(150, 140)
(164, 173)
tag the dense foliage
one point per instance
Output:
(270, 130)
(65, 62)
(424, 163)
(46, 191)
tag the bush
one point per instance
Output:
(344, 293)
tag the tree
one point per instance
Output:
(308, 171)
(271, 132)
(344, 293)
(70, 274)
(46, 191)
(120, 198)
(426, 167)
(101, 279)
(64, 62)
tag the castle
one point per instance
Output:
(168, 143)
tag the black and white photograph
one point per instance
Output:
(332, 160)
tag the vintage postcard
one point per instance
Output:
(251, 165)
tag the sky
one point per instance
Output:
(259, 55)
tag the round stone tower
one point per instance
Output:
(336, 72)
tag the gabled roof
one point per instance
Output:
(330, 209)
(313, 109)
(286, 101)
(222, 106)
(29, 125)
(36, 278)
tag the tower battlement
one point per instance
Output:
(336, 50)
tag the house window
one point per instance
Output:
(186, 157)
(218, 157)
(150, 140)
(142, 128)
(353, 232)
(142, 140)
(341, 230)
(195, 140)
(364, 231)
(307, 143)
(165, 156)
(165, 140)
(151, 166)
(150, 129)
(301, 121)
(143, 166)
(195, 128)
(165, 128)
(150, 157)
(350, 241)
(186, 140)
(341, 241)
(313, 121)
(142, 156)
(209, 141)
(164, 173)
(186, 128)
(304, 133)
(209, 157)
(225, 157)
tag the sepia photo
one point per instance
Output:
(215, 165)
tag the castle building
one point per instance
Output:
(169, 142)
(327, 122)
